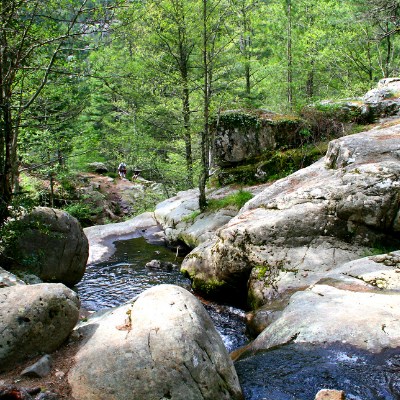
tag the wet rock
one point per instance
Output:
(160, 265)
(51, 244)
(35, 319)
(330, 394)
(40, 369)
(164, 345)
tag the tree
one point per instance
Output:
(35, 37)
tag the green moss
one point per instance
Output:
(208, 287)
(237, 119)
(261, 270)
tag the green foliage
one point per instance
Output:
(82, 212)
(236, 200)
(192, 216)
(231, 120)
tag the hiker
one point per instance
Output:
(122, 170)
(135, 175)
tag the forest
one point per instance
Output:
(141, 81)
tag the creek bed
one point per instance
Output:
(124, 276)
(291, 372)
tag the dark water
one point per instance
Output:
(298, 372)
(124, 276)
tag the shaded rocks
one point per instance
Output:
(162, 346)
(8, 279)
(39, 369)
(51, 244)
(13, 392)
(241, 136)
(299, 228)
(35, 319)
(98, 167)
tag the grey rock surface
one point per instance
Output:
(161, 346)
(182, 221)
(324, 314)
(8, 279)
(40, 368)
(35, 319)
(52, 245)
(303, 226)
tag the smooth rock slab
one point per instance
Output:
(163, 346)
(35, 319)
(324, 314)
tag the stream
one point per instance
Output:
(124, 276)
(290, 372)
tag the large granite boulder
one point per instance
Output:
(325, 314)
(183, 222)
(35, 319)
(241, 136)
(302, 226)
(383, 101)
(51, 244)
(162, 346)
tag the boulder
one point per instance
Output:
(375, 274)
(8, 279)
(51, 244)
(35, 319)
(98, 167)
(241, 136)
(162, 346)
(182, 221)
(303, 226)
(384, 101)
(324, 315)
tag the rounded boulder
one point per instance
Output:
(35, 319)
(52, 245)
(162, 346)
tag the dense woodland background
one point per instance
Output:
(141, 81)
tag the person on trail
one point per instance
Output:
(122, 170)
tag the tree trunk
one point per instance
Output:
(6, 130)
(205, 132)
(289, 55)
(6, 166)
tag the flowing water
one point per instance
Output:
(124, 275)
(299, 371)
(291, 372)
